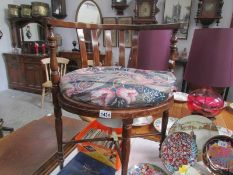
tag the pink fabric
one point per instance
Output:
(210, 60)
(154, 49)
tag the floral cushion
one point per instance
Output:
(117, 87)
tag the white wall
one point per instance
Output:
(5, 42)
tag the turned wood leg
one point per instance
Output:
(59, 130)
(164, 127)
(125, 150)
(58, 127)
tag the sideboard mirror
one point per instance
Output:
(28, 30)
(89, 12)
(32, 32)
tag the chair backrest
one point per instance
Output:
(122, 31)
(62, 66)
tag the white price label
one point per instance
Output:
(105, 114)
(222, 144)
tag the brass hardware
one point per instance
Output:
(13, 10)
(26, 10)
(40, 9)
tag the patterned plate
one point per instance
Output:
(218, 154)
(202, 127)
(146, 169)
(158, 123)
(178, 149)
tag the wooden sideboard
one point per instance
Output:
(25, 71)
(75, 58)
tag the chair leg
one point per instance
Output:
(42, 97)
(59, 134)
(125, 150)
(164, 127)
(58, 128)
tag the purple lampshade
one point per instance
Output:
(210, 61)
(154, 49)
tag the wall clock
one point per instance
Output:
(120, 6)
(209, 11)
(145, 11)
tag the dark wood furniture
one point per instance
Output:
(32, 148)
(25, 71)
(145, 11)
(16, 25)
(75, 58)
(209, 11)
(126, 115)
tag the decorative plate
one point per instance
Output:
(180, 96)
(178, 149)
(141, 121)
(158, 124)
(146, 169)
(218, 154)
(202, 128)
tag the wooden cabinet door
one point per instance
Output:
(13, 71)
(33, 74)
(25, 72)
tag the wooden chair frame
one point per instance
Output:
(126, 115)
(62, 71)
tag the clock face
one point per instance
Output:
(145, 9)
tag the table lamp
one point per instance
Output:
(154, 49)
(210, 62)
(210, 65)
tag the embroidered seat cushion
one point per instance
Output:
(117, 87)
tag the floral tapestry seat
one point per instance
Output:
(117, 87)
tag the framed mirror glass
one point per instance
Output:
(89, 12)
(32, 32)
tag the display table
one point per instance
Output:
(179, 110)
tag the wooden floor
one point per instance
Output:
(31, 149)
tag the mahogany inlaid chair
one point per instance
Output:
(110, 92)
(62, 62)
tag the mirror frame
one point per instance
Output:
(88, 36)
(17, 23)
(22, 32)
(79, 6)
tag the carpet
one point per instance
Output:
(18, 108)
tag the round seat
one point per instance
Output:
(117, 87)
